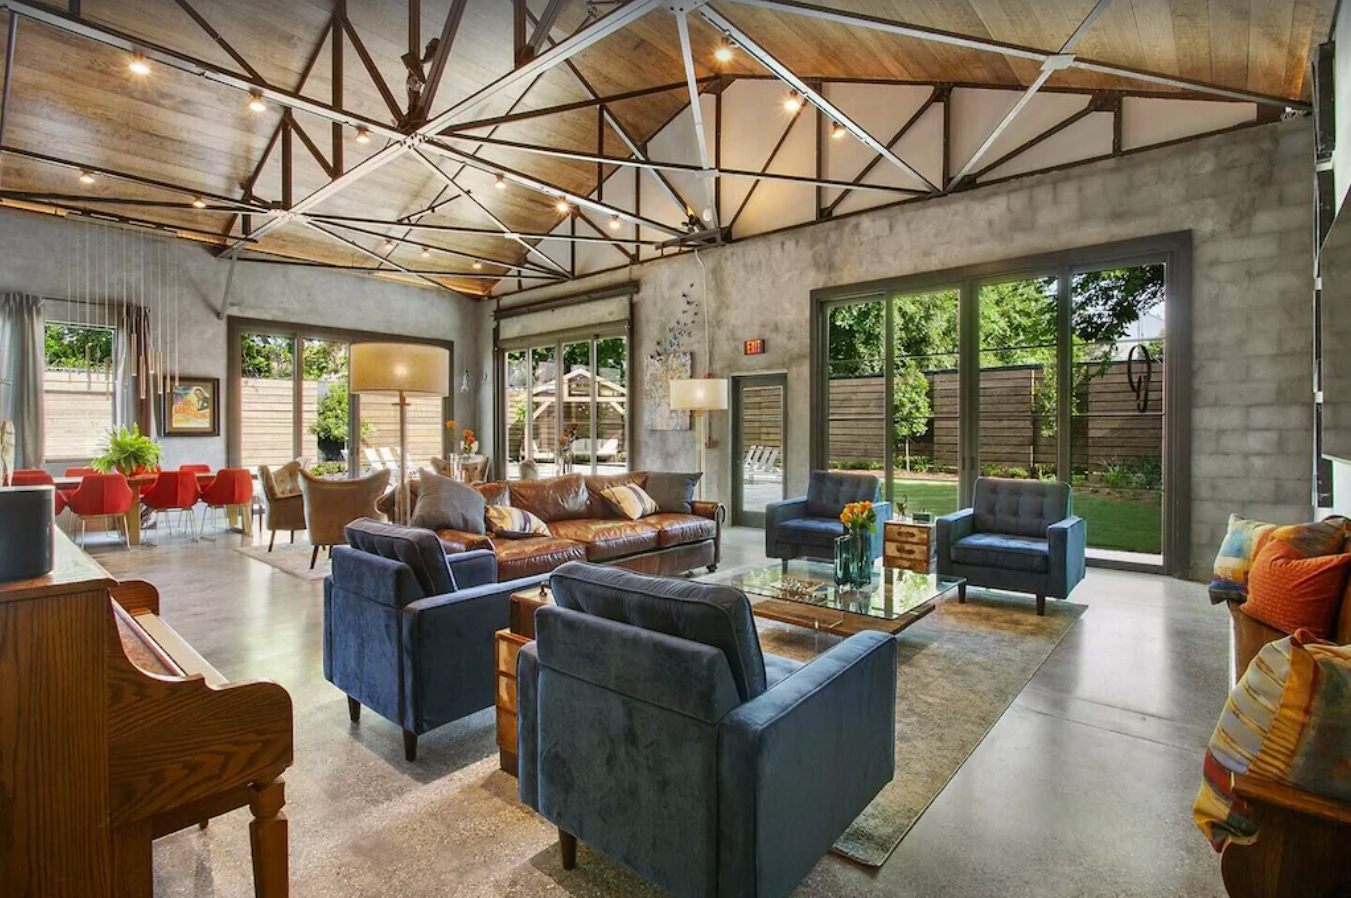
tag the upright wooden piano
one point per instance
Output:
(114, 732)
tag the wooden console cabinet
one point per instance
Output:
(908, 546)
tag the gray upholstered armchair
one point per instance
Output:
(1018, 535)
(651, 727)
(408, 630)
(809, 525)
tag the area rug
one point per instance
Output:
(959, 670)
(293, 559)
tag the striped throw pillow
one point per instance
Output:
(631, 500)
(506, 521)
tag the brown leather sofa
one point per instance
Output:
(586, 528)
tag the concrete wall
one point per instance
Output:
(1244, 196)
(37, 258)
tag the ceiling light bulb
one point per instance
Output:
(614, 222)
(389, 244)
(500, 183)
(723, 53)
(86, 178)
(478, 266)
(256, 102)
(563, 207)
(793, 102)
(837, 131)
(426, 253)
(708, 213)
(198, 203)
(363, 136)
(139, 66)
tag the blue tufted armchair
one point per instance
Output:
(1018, 535)
(408, 630)
(651, 727)
(809, 525)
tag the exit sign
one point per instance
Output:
(755, 347)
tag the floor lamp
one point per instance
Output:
(699, 395)
(400, 369)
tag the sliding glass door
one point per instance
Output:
(565, 405)
(1052, 369)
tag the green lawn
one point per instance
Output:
(1112, 523)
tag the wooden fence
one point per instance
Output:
(1107, 425)
(77, 413)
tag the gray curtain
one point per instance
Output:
(22, 355)
(136, 396)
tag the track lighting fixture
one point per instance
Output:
(563, 207)
(86, 178)
(363, 136)
(426, 253)
(837, 131)
(478, 266)
(256, 102)
(198, 203)
(723, 53)
(614, 222)
(500, 183)
(139, 65)
(793, 102)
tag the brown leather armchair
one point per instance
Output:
(283, 504)
(330, 505)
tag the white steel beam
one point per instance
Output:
(697, 112)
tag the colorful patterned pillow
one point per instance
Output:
(1285, 721)
(511, 523)
(631, 500)
(1230, 583)
(1291, 592)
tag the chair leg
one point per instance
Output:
(272, 540)
(567, 846)
(409, 746)
(267, 836)
(293, 537)
(314, 557)
(353, 709)
(1041, 604)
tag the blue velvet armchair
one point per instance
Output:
(652, 728)
(809, 525)
(408, 630)
(1018, 535)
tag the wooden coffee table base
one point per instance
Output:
(830, 620)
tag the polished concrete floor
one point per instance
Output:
(1083, 788)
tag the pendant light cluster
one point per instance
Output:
(125, 281)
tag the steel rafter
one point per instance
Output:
(468, 231)
(939, 94)
(374, 255)
(697, 113)
(459, 254)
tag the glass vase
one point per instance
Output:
(861, 572)
(844, 561)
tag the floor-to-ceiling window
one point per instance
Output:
(77, 391)
(1045, 368)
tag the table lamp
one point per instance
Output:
(400, 369)
(699, 395)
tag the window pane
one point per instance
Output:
(856, 388)
(1117, 412)
(380, 430)
(925, 405)
(544, 410)
(325, 422)
(517, 406)
(577, 403)
(77, 390)
(612, 405)
(1017, 379)
(267, 424)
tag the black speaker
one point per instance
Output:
(26, 514)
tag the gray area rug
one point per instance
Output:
(292, 559)
(959, 670)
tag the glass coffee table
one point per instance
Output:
(804, 593)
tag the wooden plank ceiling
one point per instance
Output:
(74, 99)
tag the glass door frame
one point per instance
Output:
(739, 515)
(1171, 250)
(556, 341)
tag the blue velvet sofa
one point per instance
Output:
(652, 728)
(408, 630)
(1018, 535)
(810, 524)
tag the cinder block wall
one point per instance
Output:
(1246, 197)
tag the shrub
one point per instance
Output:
(856, 464)
(324, 468)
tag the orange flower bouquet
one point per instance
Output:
(467, 440)
(859, 517)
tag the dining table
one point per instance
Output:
(238, 517)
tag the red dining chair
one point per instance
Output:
(101, 496)
(37, 477)
(196, 469)
(174, 491)
(80, 472)
(231, 487)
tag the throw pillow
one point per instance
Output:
(673, 493)
(286, 479)
(1289, 591)
(1240, 546)
(515, 522)
(631, 500)
(444, 504)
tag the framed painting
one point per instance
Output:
(660, 370)
(191, 408)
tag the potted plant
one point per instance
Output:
(330, 425)
(128, 452)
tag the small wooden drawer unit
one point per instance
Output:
(508, 645)
(908, 545)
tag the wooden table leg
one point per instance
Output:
(133, 518)
(267, 834)
(245, 519)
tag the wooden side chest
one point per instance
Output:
(521, 632)
(908, 546)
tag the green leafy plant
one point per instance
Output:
(325, 468)
(127, 451)
(330, 422)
